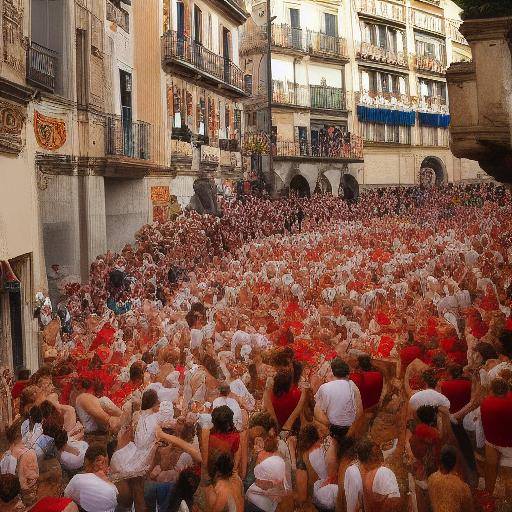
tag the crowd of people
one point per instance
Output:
(293, 354)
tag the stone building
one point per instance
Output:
(373, 68)
(204, 86)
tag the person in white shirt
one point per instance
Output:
(93, 491)
(338, 402)
(429, 396)
(225, 399)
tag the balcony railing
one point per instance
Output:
(385, 99)
(370, 52)
(454, 33)
(427, 63)
(382, 9)
(323, 45)
(426, 21)
(118, 16)
(284, 36)
(349, 147)
(126, 138)
(41, 66)
(436, 104)
(288, 93)
(183, 49)
(329, 98)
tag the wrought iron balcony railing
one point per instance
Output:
(41, 66)
(427, 63)
(182, 49)
(123, 137)
(426, 21)
(370, 52)
(323, 45)
(328, 98)
(385, 99)
(382, 9)
(289, 93)
(284, 36)
(118, 16)
(349, 147)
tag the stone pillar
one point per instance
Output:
(93, 229)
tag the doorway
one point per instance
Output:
(432, 172)
(125, 80)
(300, 186)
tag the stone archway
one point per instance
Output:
(349, 188)
(300, 186)
(432, 172)
(323, 185)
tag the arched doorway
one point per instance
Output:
(349, 188)
(432, 172)
(300, 186)
(323, 185)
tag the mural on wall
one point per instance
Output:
(161, 199)
(50, 132)
(12, 119)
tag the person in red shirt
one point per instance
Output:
(459, 391)
(496, 412)
(21, 383)
(369, 382)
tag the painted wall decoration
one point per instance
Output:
(12, 119)
(50, 132)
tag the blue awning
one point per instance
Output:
(386, 116)
(436, 120)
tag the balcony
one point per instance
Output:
(348, 149)
(428, 22)
(124, 138)
(289, 93)
(193, 57)
(429, 64)
(372, 53)
(454, 33)
(325, 46)
(41, 67)
(327, 98)
(385, 100)
(284, 36)
(382, 9)
(434, 104)
(118, 16)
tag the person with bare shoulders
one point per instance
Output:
(226, 494)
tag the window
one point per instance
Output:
(209, 40)
(294, 18)
(331, 24)
(198, 25)
(248, 84)
(375, 132)
(81, 68)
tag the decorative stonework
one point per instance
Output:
(13, 51)
(50, 132)
(12, 119)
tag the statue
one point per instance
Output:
(204, 200)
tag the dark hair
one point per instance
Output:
(28, 396)
(51, 426)
(308, 436)
(506, 344)
(35, 415)
(427, 414)
(339, 368)
(94, 451)
(263, 420)
(137, 371)
(191, 318)
(198, 309)
(9, 487)
(223, 466)
(224, 389)
(13, 432)
(456, 371)
(429, 378)
(23, 374)
(270, 443)
(298, 368)
(149, 399)
(345, 447)
(439, 360)
(486, 351)
(282, 358)
(48, 409)
(147, 357)
(365, 449)
(185, 488)
(499, 387)
(448, 458)
(222, 419)
(282, 383)
(60, 439)
(365, 363)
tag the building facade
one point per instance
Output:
(374, 69)
(204, 89)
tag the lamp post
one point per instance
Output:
(269, 96)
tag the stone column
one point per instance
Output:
(93, 230)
